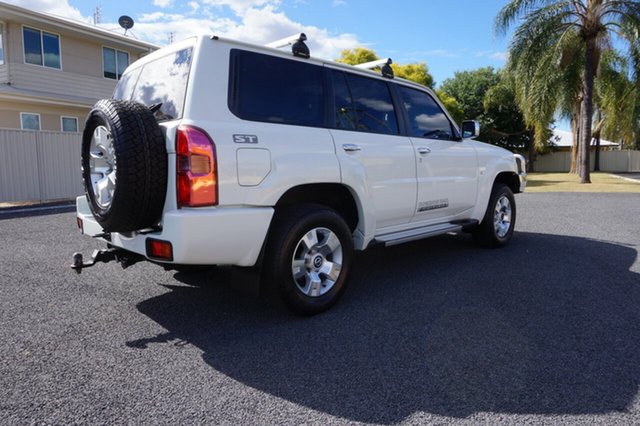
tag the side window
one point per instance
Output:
(162, 81)
(345, 112)
(426, 118)
(373, 105)
(276, 90)
(126, 85)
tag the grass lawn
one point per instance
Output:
(565, 182)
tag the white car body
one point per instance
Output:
(396, 181)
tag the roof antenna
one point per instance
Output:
(297, 42)
(384, 64)
(125, 22)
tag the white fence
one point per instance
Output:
(39, 166)
(610, 161)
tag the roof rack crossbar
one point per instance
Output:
(287, 41)
(375, 64)
(383, 64)
(298, 47)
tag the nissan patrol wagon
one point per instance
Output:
(217, 152)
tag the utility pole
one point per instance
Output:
(171, 36)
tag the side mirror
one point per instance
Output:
(470, 129)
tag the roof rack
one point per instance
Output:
(383, 64)
(298, 47)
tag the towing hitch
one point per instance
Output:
(125, 258)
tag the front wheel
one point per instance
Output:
(496, 228)
(307, 258)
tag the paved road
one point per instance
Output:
(545, 330)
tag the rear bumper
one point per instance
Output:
(205, 236)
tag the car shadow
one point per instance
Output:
(548, 325)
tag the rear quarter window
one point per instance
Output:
(275, 90)
(162, 81)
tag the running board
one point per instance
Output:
(417, 234)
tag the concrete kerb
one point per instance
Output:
(24, 209)
(631, 177)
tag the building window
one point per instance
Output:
(29, 121)
(69, 124)
(41, 48)
(114, 62)
(1, 45)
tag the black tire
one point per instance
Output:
(139, 162)
(488, 234)
(284, 242)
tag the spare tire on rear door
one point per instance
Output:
(124, 165)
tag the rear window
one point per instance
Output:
(162, 81)
(276, 90)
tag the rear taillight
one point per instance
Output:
(196, 167)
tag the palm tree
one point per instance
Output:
(547, 27)
(617, 99)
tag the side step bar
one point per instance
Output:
(424, 232)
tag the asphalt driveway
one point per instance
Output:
(546, 330)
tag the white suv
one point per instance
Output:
(216, 152)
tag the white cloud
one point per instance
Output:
(500, 56)
(254, 21)
(265, 25)
(254, 25)
(496, 56)
(240, 6)
(60, 8)
(163, 3)
(442, 53)
(339, 3)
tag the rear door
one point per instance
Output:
(371, 152)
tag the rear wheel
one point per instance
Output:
(307, 258)
(496, 228)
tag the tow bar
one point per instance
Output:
(125, 258)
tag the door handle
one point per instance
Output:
(349, 147)
(423, 150)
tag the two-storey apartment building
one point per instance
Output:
(53, 69)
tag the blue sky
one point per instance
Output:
(448, 36)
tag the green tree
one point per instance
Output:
(502, 121)
(469, 89)
(414, 72)
(547, 24)
(488, 95)
(417, 72)
(359, 55)
(452, 105)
